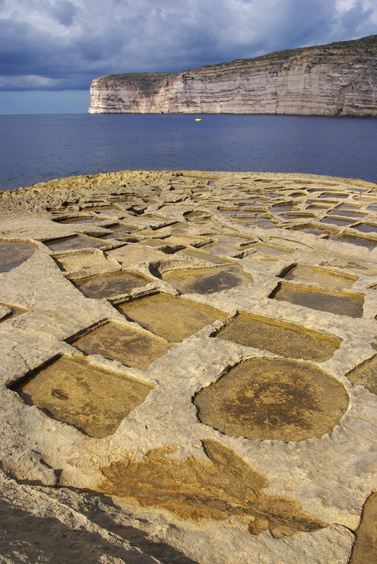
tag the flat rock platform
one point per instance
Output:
(189, 369)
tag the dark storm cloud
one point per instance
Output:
(63, 44)
(64, 12)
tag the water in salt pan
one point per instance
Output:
(273, 399)
(279, 337)
(338, 303)
(207, 280)
(107, 285)
(74, 391)
(170, 317)
(14, 254)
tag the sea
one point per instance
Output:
(38, 148)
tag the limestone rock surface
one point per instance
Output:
(129, 299)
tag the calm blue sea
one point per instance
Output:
(36, 148)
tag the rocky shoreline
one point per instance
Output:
(189, 369)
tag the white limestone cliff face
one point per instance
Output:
(335, 79)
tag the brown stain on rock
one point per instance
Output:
(365, 547)
(273, 399)
(195, 489)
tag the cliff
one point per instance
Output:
(335, 79)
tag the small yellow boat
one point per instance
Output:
(198, 119)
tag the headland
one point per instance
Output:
(338, 79)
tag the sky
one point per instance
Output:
(51, 50)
